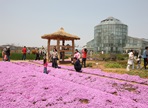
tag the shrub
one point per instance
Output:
(66, 57)
(122, 56)
(18, 56)
(89, 65)
(113, 65)
(0, 55)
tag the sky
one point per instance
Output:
(23, 22)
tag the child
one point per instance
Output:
(45, 65)
(77, 64)
(138, 62)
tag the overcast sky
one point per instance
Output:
(23, 22)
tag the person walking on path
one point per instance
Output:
(8, 53)
(77, 64)
(145, 57)
(45, 63)
(24, 50)
(130, 61)
(84, 56)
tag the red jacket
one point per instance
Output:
(24, 50)
(84, 54)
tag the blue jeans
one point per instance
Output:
(84, 62)
(8, 58)
(45, 70)
(24, 57)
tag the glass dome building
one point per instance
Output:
(110, 36)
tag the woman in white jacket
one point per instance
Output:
(130, 60)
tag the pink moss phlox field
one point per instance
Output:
(126, 77)
(24, 85)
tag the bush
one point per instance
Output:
(0, 55)
(66, 57)
(89, 65)
(18, 56)
(113, 65)
(122, 56)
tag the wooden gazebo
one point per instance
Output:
(63, 36)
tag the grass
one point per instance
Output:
(118, 67)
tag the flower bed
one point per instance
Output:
(24, 85)
(125, 77)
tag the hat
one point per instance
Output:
(4, 49)
(7, 47)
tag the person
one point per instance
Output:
(130, 60)
(145, 57)
(45, 63)
(24, 50)
(28, 51)
(54, 58)
(138, 62)
(77, 64)
(77, 54)
(37, 54)
(4, 54)
(84, 56)
(8, 53)
(102, 52)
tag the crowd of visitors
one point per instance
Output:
(79, 58)
(138, 58)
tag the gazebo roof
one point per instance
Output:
(60, 34)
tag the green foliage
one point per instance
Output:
(66, 57)
(113, 65)
(110, 57)
(89, 65)
(122, 56)
(18, 56)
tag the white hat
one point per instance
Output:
(4, 49)
(7, 47)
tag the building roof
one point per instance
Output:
(110, 20)
(60, 34)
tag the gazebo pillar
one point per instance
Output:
(48, 48)
(58, 47)
(73, 47)
(63, 53)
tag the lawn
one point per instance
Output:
(118, 67)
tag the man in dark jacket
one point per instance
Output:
(145, 57)
(8, 52)
(77, 64)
